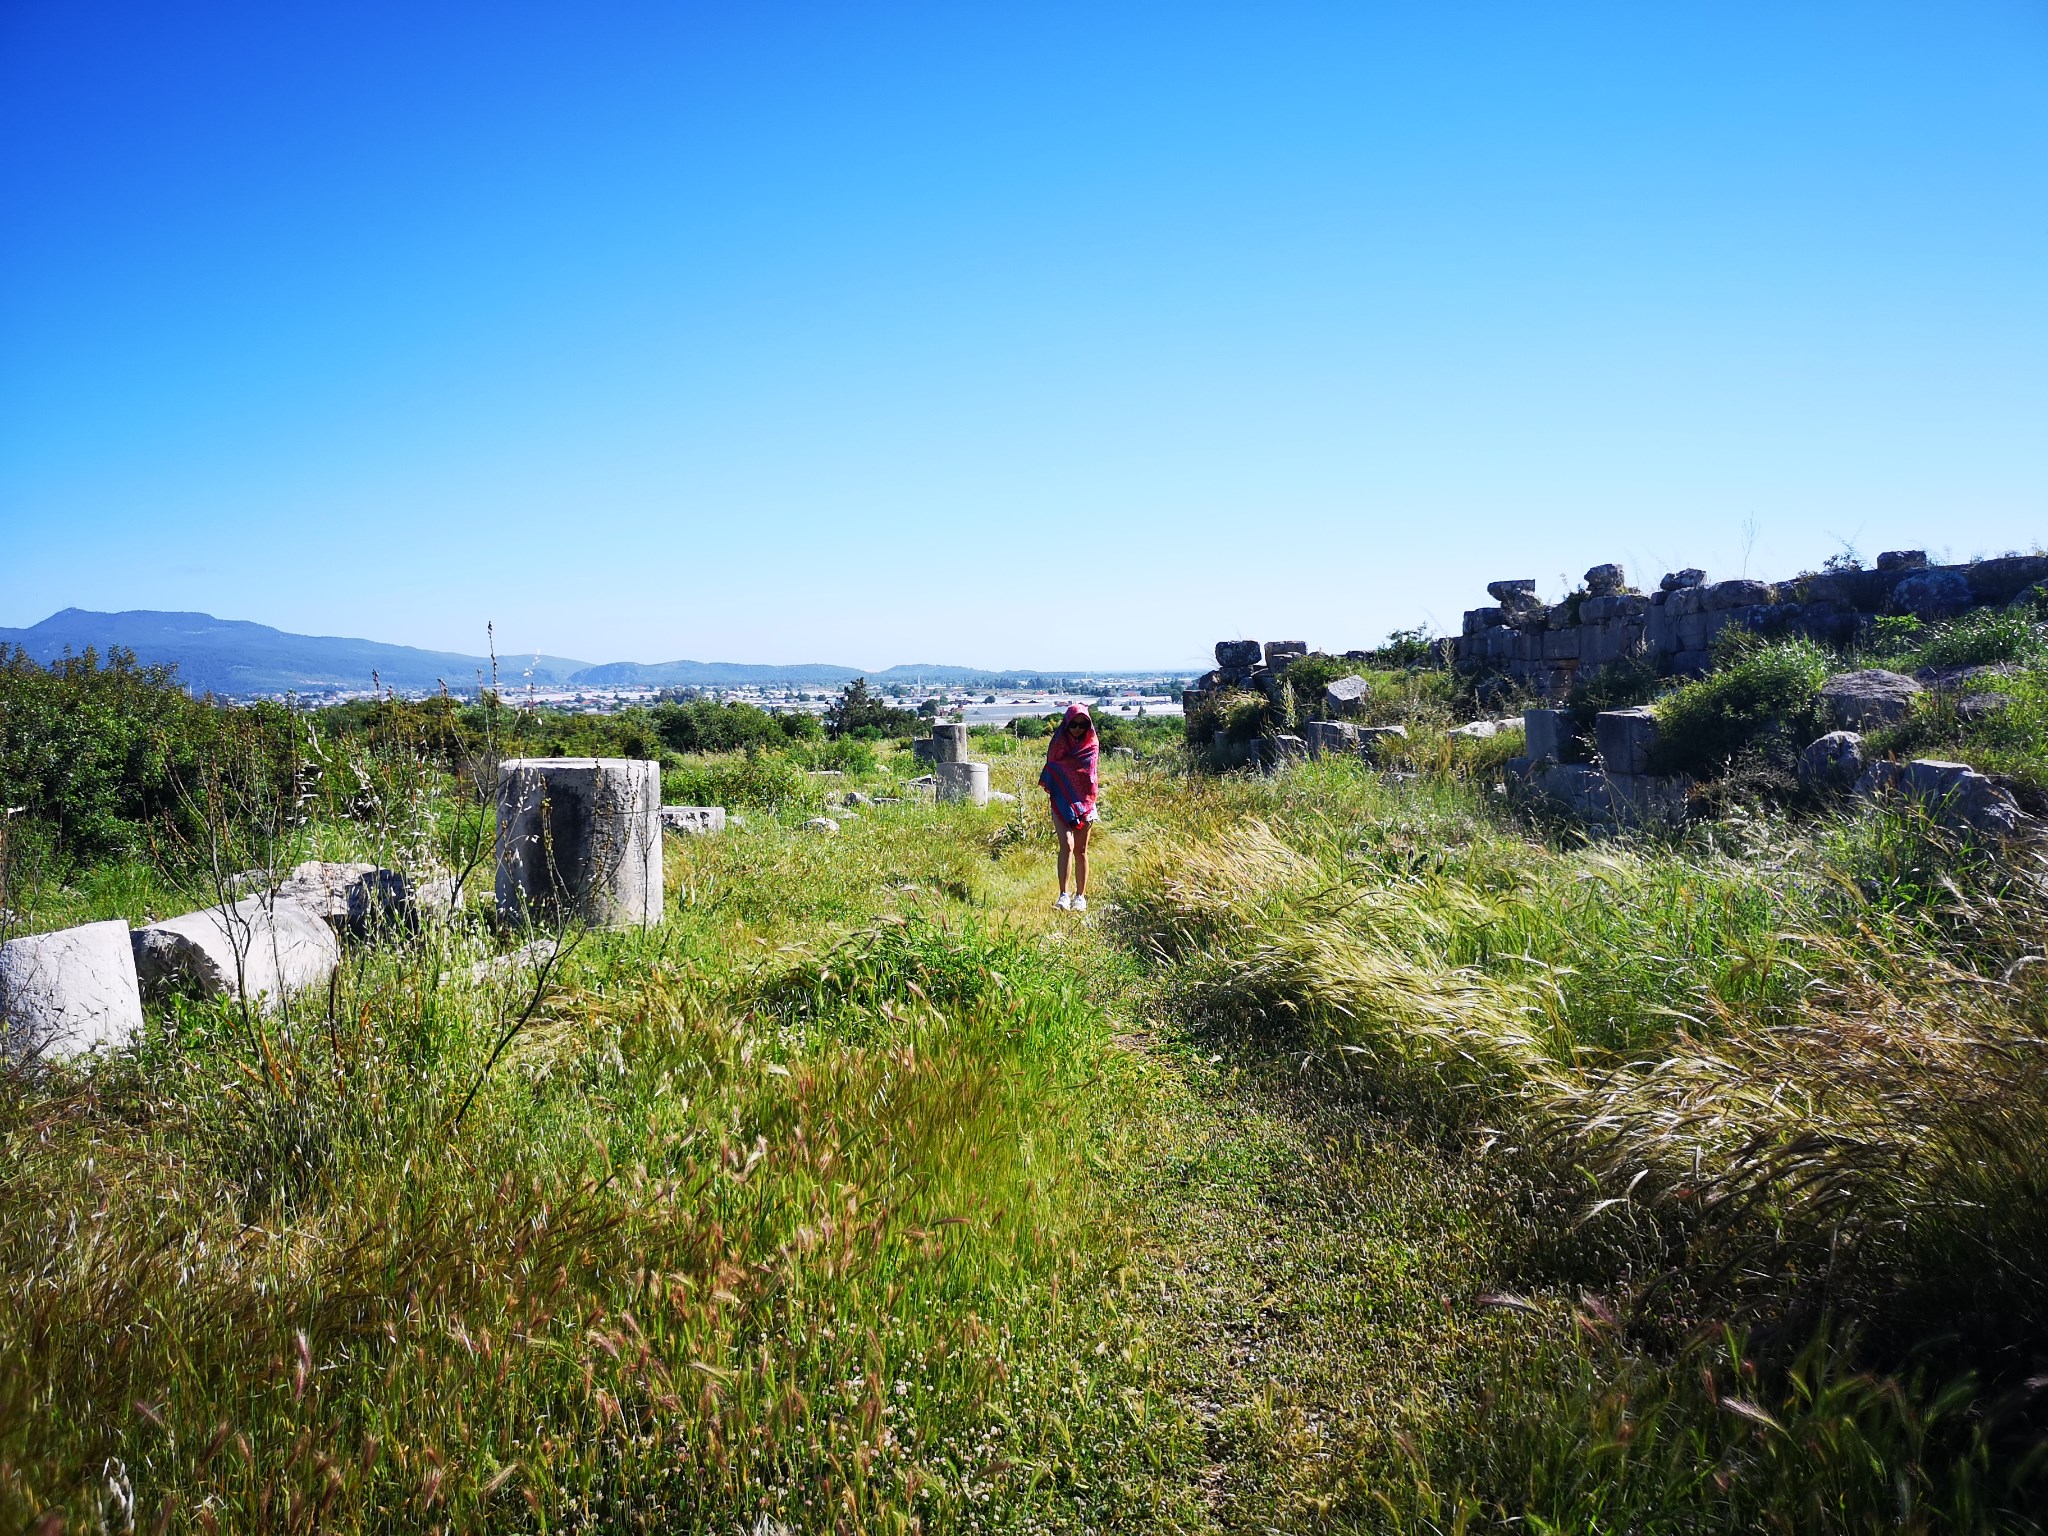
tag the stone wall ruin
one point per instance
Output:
(1548, 646)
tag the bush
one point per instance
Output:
(766, 780)
(706, 725)
(847, 755)
(1988, 635)
(105, 758)
(1766, 695)
(859, 713)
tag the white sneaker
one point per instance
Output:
(1080, 904)
(1064, 903)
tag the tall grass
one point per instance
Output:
(1756, 1086)
(730, 1221)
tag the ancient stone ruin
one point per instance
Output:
(954, 776)
(1546, 646)
(579, 839)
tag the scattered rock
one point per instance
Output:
(1002, 797)
(579, 838)
(1126, 753)
(1376, 740)
(1320, 736)
(1238, 655)
(1605, 580)
(1955, 794)
(1863, 700)
(259, 949)
(1982, 706)
(821, 824)
(1835, 761)
(64, 994)
(1280, 652)
(359, 900)
(958, 781)
(1511, 594)
(1676, 581)
(1902, 560)
(527, 957)
(1341, 695)
(694, 820)
(1288, 748)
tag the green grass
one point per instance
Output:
(1369, 1160)
(789, 1208)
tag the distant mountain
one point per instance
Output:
(233, 656)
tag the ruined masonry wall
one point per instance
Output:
(1546, 646)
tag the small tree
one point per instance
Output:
(858, 712)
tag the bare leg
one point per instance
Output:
(1066, 849)
(1080, 840)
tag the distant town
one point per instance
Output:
(1129, 697)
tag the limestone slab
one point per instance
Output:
(66, 993)
(694, 820)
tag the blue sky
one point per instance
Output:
(1056, 336)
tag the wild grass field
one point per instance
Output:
(1372, 1157)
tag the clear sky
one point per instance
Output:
(1002, 335)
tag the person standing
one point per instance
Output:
(1071, 777)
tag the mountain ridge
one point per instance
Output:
(239, 656)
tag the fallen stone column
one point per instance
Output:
(63, 994)
(260, 949)
(579, 840)
(963, 781)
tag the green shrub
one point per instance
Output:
(859, 713)
(1769, 694)
(107, 759)
(1245, 716)
(706, 725)
(1310, 675)
(1988, 635)
(849, 754)
(766, 780)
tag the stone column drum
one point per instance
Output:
(963, 781)
(63, 994)
(579, 840)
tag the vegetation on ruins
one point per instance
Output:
(1383, 1154)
